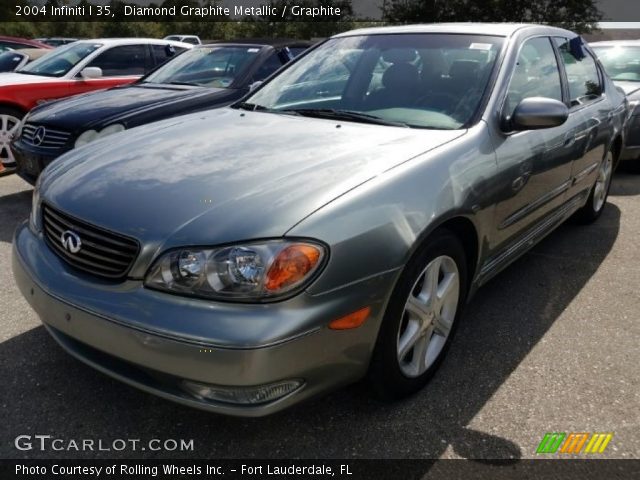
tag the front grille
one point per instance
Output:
(47, 138)
(102, 253)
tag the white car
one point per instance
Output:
(192, 39)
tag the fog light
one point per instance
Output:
(242, 395)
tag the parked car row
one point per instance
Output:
(325, 225)
(211, 75)
(72, 69)
(206, 77)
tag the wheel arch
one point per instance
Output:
(465, 230)
(13, 105)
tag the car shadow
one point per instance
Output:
(14, 208)
(46, 391)
(625, 184)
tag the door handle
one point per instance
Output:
(569, 139)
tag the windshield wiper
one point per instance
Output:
(181, 83)
(250, 106)
(349, 115)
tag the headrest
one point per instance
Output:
(399, 55)
(401, 76)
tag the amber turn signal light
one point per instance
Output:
(353, 320)
(291, 266)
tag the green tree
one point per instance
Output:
(297, 27)
(577, 15)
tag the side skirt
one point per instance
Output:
(531, 237)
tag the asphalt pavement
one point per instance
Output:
(550, 345)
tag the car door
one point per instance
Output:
(589, 106)
(119, 64)
(534, 165)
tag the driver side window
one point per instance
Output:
(269, 66)
(122, 61)
(536, 75)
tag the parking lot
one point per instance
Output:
(550, 345)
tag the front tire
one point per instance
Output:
(421, 317)
(10, 119)
(599, 193)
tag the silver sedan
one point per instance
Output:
(329, 227)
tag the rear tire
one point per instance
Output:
(599, 193)
(421, 317)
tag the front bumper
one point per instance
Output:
(31, 162)
(76, 314)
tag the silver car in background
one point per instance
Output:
(621, 60)
(329, 227)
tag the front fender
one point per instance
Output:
(377, 226)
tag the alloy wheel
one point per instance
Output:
(428, 316)
(8, 127)
(602, 182)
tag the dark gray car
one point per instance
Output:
(332, 225)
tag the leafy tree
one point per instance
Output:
(577, 15)
(297, 27)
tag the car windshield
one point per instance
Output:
(620, 62)
(431, 81)
(211, 66)
(61, 60)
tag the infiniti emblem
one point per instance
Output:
(38, 136)
(71, 241)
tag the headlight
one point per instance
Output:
(34, 217)
(249, 272)
(91, 135)
(20, 127)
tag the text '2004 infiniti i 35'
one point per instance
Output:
(331, 225)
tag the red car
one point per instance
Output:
(17, 43)
(73, 69)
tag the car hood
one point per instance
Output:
(15, 78)
(224, 175)
(628, 87)
(116, 104)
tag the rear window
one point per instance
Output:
(10, 60)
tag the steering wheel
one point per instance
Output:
(60, 66)
(442, 99)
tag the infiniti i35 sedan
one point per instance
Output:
(329, 227)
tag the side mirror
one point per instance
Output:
(91, 72)
(255, 85)
(535, 113)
